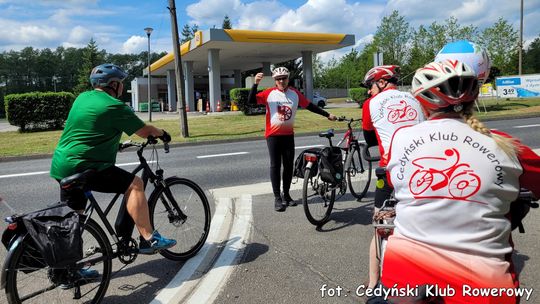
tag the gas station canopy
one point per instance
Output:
(215, 54)
(246, 49)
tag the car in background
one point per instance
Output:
(319, 100)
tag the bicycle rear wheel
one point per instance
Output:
(181, 211)
(358, 172)
(317, 200)
(29, 280)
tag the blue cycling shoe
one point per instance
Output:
(155, 244)
(84, 275)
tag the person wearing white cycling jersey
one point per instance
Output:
(382, 114)
(281, 103)
(455, 180)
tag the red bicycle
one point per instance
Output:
(460, 181)
(401, 112)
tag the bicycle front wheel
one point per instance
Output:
(358, 173)
(181, 211)
(317, 200)
(30, 280)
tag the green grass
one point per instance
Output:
(209, 128)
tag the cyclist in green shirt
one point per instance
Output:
(91, 139)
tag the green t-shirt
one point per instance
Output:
(92, 133)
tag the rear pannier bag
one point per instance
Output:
(56, 233)
(331, 165)
(300, 163)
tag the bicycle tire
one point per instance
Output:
(316, 207)
(191, 232)
(39, 281)
(360, 171)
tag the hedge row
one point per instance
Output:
(38, 110)
(359, 95)
(240, 95)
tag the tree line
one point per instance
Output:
(411, 48)
(63, 69)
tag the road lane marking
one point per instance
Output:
(213, 281)
(310, 146)
(527, 126)
(47, 172)
(23, 174)
(181, 286)
(220, 155)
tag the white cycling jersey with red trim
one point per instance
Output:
(455, 185)
(388, 111)
(281, 107)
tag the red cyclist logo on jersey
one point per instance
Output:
(284, 112)
(401, 112)
(446, 174)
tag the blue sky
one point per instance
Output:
(117, 25)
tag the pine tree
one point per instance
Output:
(91, 58)
(186, 33)
(226, 23)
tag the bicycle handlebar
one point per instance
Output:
(150, 141)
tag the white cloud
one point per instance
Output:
(210, 13)
(135, 44)
(79, 34)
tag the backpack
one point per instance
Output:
(331, 165)
(300, 163)
(56, 234)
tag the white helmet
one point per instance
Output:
(280, 72)
(470, 53)
(442, 84)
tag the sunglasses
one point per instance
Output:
(281, 78)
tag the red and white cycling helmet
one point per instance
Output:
(280, 72)
(387, 72)
(442, 84)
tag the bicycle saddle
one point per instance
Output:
(327, 134)
(77, 180)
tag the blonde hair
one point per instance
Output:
(508, 145)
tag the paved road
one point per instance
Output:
(285, 259)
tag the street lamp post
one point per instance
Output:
(54, 79)
(148, 31)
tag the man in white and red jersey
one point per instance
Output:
(455, 181)
(281, 103)
(383, 113)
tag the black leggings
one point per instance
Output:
(281, 148)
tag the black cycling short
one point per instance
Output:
(383, 191)
(110, 180)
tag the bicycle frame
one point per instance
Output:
(147, 175)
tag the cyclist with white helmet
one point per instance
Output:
(382, 114)
(90, 140)
(455, 180)
(281, 102)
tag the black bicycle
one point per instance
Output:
(318, 195)
(178, 208)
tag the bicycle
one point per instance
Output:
(318, 196)
(178, 207)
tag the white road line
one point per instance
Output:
(224, 154)
(209, 288)
(181, 286)
(527, 126)
(47, 172)
(305, 147)
(24, 174)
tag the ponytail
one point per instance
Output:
(508, 145)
